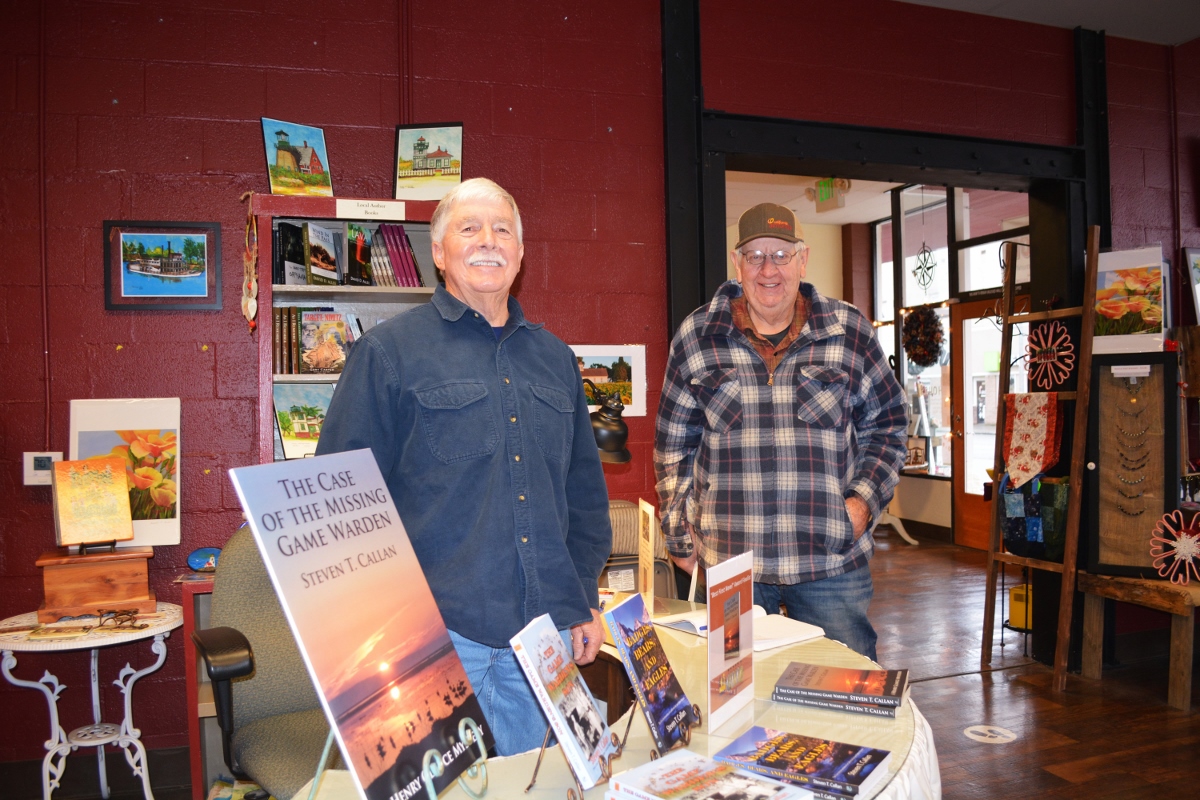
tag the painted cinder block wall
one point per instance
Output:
(151, 112)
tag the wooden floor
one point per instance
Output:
(1114, 738)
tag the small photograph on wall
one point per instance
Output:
(162, 266)
(428, 160)
(615, 368)
(144, 434)
(297, 161)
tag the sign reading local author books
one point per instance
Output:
(365, 620)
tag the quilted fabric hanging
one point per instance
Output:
(1032, 434)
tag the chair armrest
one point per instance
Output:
(226, 653)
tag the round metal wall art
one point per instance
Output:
(1175, 547)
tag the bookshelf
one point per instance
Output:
(370, 303)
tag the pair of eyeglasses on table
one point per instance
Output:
(118, 619)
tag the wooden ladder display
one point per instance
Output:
(996, 555)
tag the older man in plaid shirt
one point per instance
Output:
(781, 430)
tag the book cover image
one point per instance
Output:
(300, 410)
(322, 255)
(358, 255)
(324, 342)
(666, 707)
(91, 501)
(291, 254)
(364, 618)
(566, 700)
(882, 686)
(1129, 301)
(846, 768)
(684, 775)
(730, 623)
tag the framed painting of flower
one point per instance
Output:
(144, 434)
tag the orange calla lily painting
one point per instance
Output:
(148, 453)
(1129, 301)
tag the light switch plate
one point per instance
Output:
(38, 467)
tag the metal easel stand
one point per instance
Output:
(606, 763)
(433, 767)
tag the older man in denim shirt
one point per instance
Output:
(479, 423)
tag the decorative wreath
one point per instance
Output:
(922, 337)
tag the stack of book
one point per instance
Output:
(830, 769)
(875, 692)
(333, 253)
(311, 340)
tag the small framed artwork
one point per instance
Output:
(162, 266)
(144, 435)
(615, 367)
(297, 161)
(428, 160)
(1191, 257)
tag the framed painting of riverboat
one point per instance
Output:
(162, 266)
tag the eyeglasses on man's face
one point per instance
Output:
(780, 258)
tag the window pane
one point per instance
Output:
(983, 211)
(926, 270)
(982, 340)
(887, 339)
(929, 396)
(884, 275)
(980, 265)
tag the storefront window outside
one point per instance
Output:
(926, 269)
(929, 394)
(885, 277)
(982, 340)
(985, 212)
(886, 331)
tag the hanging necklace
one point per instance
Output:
(1133, 388)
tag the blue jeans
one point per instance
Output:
(509, 705)
(838, 604)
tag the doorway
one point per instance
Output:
(975, 341)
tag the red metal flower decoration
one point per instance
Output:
(1175, 546)
(1050, 355)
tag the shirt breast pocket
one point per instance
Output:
(458, 421)
(821, 396)
(554, 418)
(720, 396)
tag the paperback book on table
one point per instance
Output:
(365, 620)
(866, 709)
(565, 699)
(666, 707)
(884, 687)
(684, 775)
(848, 769)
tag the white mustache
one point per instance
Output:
(475, 261)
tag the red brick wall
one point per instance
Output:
(152, 113)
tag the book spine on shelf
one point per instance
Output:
(276, 257)
(410, 261)
(870, 709)
(396, 252)
(276, 340)
(294, 332)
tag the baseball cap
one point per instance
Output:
(768, 219)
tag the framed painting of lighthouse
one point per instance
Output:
(428, 160)
(297, 161)
(162, 266)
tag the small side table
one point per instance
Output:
(98, 734)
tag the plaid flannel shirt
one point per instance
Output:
(750, 459)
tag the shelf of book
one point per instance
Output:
(371, 303)
(283, 294)
(322, 378)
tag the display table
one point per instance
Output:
(168, 617)
(914, 767)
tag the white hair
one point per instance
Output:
(471, 191)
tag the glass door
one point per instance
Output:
(975, 363)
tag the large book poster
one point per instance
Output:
(366, 622)
(730, 637)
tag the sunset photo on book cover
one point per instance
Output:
(365, 617)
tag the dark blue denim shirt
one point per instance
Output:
(487, 448)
